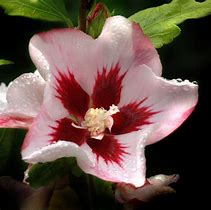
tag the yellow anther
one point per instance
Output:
(98, 119)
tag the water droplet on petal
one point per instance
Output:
(195, 82)
(185, 88)
(141, 146)
(179, 80)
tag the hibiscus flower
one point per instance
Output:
(104, 100)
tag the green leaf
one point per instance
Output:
(10, 157)
(43, 174)
(160, 23)
(103, 188)
(64, 198)
(96, 19)
(104, 194)
(5, 62)
(48, 10)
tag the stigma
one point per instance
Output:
(96, 120)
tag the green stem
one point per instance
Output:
(82, 15)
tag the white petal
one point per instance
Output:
(25, 94)
(63, 50)
(41, 62)
(38, 135)
(21, 101)
(173, 100)
(123, 42)
(38, 145)
(58, 150)
(3, 101)
(132, 169)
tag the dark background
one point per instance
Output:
(185, 151)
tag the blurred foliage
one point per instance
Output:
(5, 62)
(15, 195)
(11, 163)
